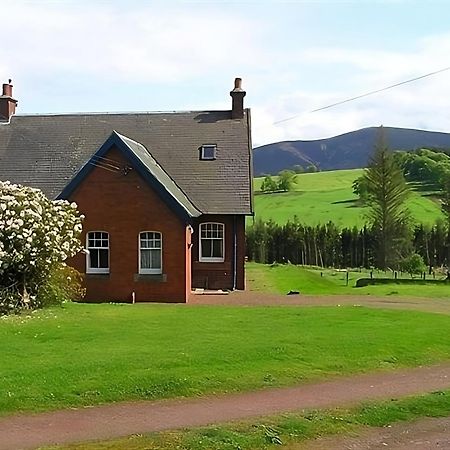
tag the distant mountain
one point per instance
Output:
(347, 151)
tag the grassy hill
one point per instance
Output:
(323, 196)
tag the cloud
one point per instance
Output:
(421, 104)
(145, 43)
(85, 51)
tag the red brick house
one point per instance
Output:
(165, 195)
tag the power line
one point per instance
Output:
(364, 95)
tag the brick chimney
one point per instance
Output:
(7, 103)
(237, 96)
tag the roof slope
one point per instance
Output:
(46, 151)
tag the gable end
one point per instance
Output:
(149, 170)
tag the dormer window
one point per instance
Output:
(208, 151)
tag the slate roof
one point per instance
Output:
(46, 152)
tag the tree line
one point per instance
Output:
(431, 166)
(328, 246)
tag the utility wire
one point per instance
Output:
(364, 95)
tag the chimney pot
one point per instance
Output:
(237, 96)
(7, 103)
(7, 89)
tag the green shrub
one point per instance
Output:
(63, 284)
(413, 264)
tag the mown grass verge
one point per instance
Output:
(282, 278)
(90, 354)
(273, 432)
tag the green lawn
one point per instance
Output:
(323, 196)
(289, 429)
(89, 354)
(308, 280)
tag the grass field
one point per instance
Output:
(308, 280)
(323, 196)
(89, 354)
(289, 429)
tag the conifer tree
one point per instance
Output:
(387, 211)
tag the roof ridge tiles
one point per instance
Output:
(119, 113)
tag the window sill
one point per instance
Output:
(98, 275)
(150, 278)
(97, 271)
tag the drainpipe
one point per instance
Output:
(234, 253)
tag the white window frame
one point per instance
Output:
(208, 158)
(211, 258)
(90, 269)
(145, 271)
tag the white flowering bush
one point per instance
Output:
(36, 236)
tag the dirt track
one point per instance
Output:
(252, 298)
(121, 419)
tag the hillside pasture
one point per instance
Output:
(320, 197)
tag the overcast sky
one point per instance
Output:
(293, 57)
